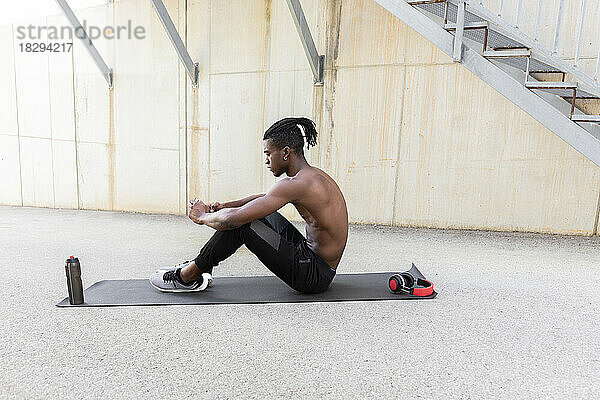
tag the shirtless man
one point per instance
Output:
(308, 264)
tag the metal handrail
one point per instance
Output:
(541, 50)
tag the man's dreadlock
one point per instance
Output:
(287, 132)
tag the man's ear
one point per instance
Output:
(286, 151)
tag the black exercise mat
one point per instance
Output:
(240, 290)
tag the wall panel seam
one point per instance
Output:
(397, 174)
(356, 66)
(185, 116)
(17, 112)
(50, 126)
(266, 64)
(595, 231)
(254, 71)
(75, 130)
(209, 152)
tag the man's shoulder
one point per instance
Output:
(287, 186)
(295, 186)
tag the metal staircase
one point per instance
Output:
(505, 58)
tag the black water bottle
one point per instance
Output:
(73, 270)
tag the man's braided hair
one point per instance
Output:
(287, 132)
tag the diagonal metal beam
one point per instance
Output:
(315, 60)
(458, 35)
(87, 42)
(184, 56)
(577, 137)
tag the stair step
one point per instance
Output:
(582, 94)
(586, 118)
(418, 2)
(551, 85)
(468, 25)
(506, 53)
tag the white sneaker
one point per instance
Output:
(168, 281)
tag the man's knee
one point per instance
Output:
(277, 221)
(266, 232)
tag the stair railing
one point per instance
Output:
(511, 12)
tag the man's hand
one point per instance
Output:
(225, 217)
(197, 211)
(216, 206)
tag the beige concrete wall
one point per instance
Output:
(146, 113)
(94, 118)
(10, 166)
(411, 137)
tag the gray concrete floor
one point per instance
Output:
(516, 317)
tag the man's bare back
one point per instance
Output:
(323, 207)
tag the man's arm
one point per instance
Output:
(283, 192)
(241, 202)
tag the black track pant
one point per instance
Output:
(279, 245)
